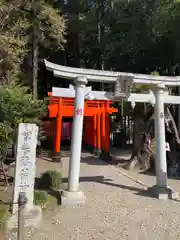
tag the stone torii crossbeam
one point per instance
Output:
(158, 96)
(103, 95)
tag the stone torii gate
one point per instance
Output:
(123, 82)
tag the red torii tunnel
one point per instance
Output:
(96, 130)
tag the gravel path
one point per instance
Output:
(116, 208)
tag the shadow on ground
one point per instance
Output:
(47, 155)
(152, 173)
(91, 160)
(56, 195)
(122, 163)
(109, 182)
(87, 157)
(95, 160)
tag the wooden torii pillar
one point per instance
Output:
(57, 145)
(100, 142)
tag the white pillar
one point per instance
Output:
(178, 112)
(161, 165)
(76, 142)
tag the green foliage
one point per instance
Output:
(133, 36)
(17, 106)
(50, 180)
(18, 20)
(4, 215)
(51, 26)
(40, 198)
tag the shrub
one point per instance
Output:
(40, 198)
(50, 180)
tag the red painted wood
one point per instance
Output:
(96, 129)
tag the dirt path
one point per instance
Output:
(116, 208)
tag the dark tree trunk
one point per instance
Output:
(137, 139)
(142, 156)
(35, 70)
(35, 50)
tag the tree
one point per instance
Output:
(127, 35)
(28, 31)
(17, 106)
(143, 151)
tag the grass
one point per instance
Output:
(4, 215)
(44, 199)
(48, 185)
(40, 198)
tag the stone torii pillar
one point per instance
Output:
(161, 165)
(73, 195)
(123, 83)
(161, 189)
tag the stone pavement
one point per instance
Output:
(117, 208)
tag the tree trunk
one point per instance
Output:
(35, 70)
(174, 127)
(137, 139)
(142, 157)
(35, 51)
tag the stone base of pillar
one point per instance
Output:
(106, 156)
(72, 198)
(56, 157)
(162, 193)
(33, 219)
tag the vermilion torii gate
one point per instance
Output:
(123, 82)
(96, 120)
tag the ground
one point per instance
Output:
(117, 207)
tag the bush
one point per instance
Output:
(40, 198)
(50, 180)
(17, 106)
